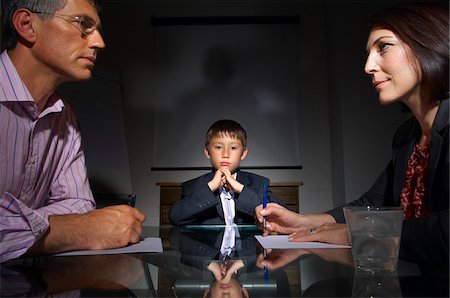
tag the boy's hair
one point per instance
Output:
(226, 127)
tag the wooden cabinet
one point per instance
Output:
(170, 192)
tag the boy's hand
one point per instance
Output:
(223, 178)
(216, 181)
(230, 183)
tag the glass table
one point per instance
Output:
(193, 264)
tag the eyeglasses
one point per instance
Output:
(85, 24)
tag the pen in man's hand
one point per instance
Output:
(132, 203)
(132, 200)
(265, 203)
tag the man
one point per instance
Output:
(46, 205)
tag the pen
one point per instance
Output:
(132, 199)
(266, 271)
(265, 203)
(132, 203)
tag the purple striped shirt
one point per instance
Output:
(42, 165)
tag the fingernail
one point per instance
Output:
(263, 211)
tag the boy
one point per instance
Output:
(226, 195)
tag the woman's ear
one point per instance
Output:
(23, 23)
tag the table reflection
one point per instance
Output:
(76, 276)
(205, 268)
(196, 263)
(376, 284)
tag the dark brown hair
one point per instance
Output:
(424, 28)
(226, 127)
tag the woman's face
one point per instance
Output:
(394, 70)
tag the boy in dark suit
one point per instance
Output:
(226, 195)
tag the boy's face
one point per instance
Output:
(225, 152)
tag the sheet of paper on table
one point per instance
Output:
(281, 242)
(149, 244)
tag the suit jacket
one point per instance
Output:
(199, 205)
(424, 240)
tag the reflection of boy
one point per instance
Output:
(226, 195)
(225, 283)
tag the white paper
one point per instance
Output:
(281, 241)
(149, 244)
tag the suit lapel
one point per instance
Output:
(242, 177)
(404, 151)
(440, 122)
(402, 155)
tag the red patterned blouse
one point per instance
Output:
(411, 197)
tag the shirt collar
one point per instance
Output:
(13, 89)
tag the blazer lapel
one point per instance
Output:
(208, 178)
(440, 122)
(243, 178)
(402, 155)
(404, 151)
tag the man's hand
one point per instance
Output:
(109, 227)
(105, 272)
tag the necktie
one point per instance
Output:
(228, 206)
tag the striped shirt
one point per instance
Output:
(42, 165)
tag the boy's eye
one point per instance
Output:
(217, 147)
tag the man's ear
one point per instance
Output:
(244, 154)
(23, 23)
(206, 152)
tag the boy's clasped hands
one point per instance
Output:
(224, 178)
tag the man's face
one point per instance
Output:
(62, 48)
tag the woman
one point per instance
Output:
(408, 62)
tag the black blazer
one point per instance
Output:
(199, 205)
(425, 240)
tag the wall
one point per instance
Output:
(361, 129)
(345, 134)
(132, 44)
(338, 114)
